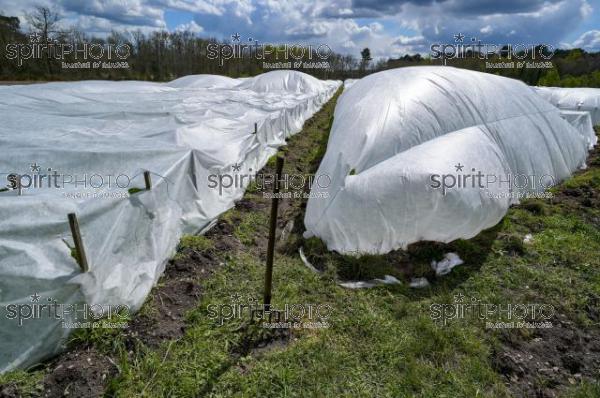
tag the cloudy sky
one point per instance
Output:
(387, 27)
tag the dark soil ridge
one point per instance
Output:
(549, 360)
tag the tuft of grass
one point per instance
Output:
(585, 390)
(105, 339)
(133, 191)
(590, 178)
(195, 242)
(246, 230)
(536, 207)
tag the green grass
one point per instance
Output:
(590, 178)
(195, 242)
(133, 191)
(357, 355)
(585, 390)
(247, 230)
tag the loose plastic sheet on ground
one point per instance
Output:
(105, 135)
(402, 137)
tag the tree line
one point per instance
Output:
(157, 56)
(163, 56)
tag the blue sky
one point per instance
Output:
(388, 27)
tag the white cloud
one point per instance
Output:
(589, 41)
(127, 12)
(549, 23)
(409, 40)
(486, 29)
(191, 26)
(376, 27)
(409, 44)
(205, 7)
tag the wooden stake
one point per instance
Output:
(81, 257)
(255, 128)
(272, 230)
(148, 180)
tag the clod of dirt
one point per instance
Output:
(79, 374)
(547, 362)
(9, 390)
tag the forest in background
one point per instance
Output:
(164, 56)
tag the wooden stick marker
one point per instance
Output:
(272, 230)
(148, 180)
(80, 250)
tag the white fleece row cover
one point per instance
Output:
(349, 83)
(427, 153)
(99, 137)
(574, 99)
(582, 121)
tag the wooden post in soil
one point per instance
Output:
(272, 230)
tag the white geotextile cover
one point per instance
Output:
(349, 83)
(574, 99)
(181, 132)
(582, 121)
(394, 131)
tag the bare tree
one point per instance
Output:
(44, 21)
